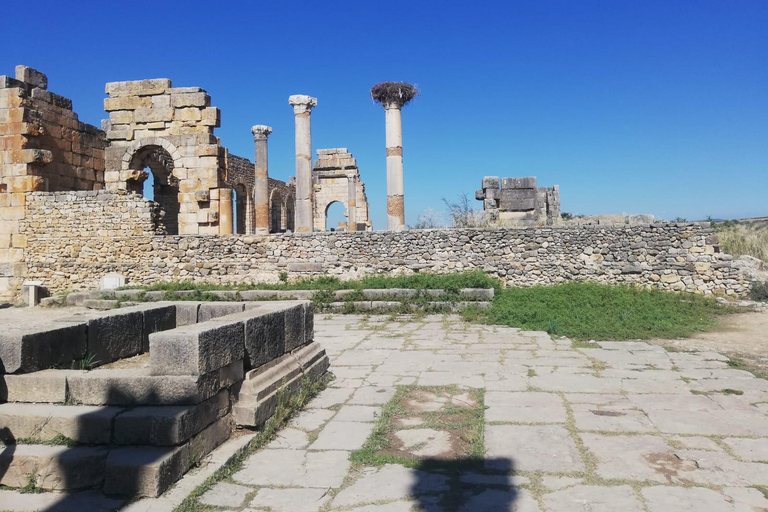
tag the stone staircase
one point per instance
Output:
(134, 426)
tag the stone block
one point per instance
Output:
(477, 293)
(258, 294)
(55, 468)
(31, 76)
(115, 335)
(309, 321)
(194, 99)
(211, 437)
(211, 310)
(168, 425)
(518, 183)
(305, 267)
(126, 103)
(42, 386)
(28, 349)
(156, 318)
(186, 313)
(85, 424)
(295, 335)
(264, 337)
(490, 182)
(138, 387)
(138, 87)
(144, 471)
(517, 199)
(196, 349)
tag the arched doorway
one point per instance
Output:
(156, 162)
(275, 212)
(242, 204)
(335, 216)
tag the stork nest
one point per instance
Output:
(394, 92)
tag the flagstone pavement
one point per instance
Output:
(616, 426)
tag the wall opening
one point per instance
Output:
(275, 212)
(241, 203)
(335, 216)
(153, 178)
(290, 207)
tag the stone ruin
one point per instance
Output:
(336, 178)
(171, 380)
(166, 134)
(518, 201)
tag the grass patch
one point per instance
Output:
(464, 420)
(585, 311)
(57, 440)
(288, 405)
(420, 281)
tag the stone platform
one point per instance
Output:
(615, 426)
(166, 378)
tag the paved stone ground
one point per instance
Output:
(620, 426)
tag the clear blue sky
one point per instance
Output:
(636, 106)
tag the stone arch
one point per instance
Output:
(276, 211)
(153, 155)
(327, 208)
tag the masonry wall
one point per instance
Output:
(67, 254)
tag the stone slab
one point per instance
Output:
(532, 448)
(42, 386)
(115, 335)
(594, 499)
(211, 310)
(225, 494)
(144, 471)
(342, 435)
(168, 425)
(55, 468)
(196, 349)
(295, 468)
(29, 349)
(44, 422)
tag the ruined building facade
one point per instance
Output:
(153, 130)
(519, 201)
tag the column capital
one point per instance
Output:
(302, 103)
(261, 130)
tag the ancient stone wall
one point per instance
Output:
(667, 256)
(91, 214)
(43, 146)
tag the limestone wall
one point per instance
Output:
(43, 146)
(64, 256)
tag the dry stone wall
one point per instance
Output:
(66, 255)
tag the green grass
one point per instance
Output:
(470, 419)
(420, 281)
(288, 405)
(585, 311)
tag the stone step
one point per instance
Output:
(135, 471)
(44, 422)
(53, 468)
(258, 396)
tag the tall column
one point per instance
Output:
(302, 108)
(261, 178)
(225, 211)
(351, 202)
(395, 205)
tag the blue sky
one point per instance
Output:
(636, 106)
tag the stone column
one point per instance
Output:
(261, 178)
(302, 107)
(225, 211)
(395, 205)
(351, 202)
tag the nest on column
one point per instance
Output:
(400, 93)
